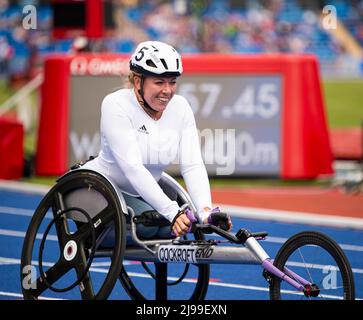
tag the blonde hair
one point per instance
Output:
(129, 81)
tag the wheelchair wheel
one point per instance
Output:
(60, 248)
(318, 259)
(168, 281)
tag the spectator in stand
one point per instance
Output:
(19, 64)
(216, 26)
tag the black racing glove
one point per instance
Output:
(219, 219)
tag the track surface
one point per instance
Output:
(227, 281)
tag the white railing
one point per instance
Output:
(20, 101)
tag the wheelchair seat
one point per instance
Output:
(152, 218)
(93, 202)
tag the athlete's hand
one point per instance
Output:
(219, 219)
(183, 223)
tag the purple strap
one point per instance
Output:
(215, 210)
(191, 218)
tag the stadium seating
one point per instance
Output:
(220, 26)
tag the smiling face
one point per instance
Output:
(158, 91)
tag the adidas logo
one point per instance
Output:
(143, 129)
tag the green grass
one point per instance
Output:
(49, 181)
(30, 137)
(219, 182)
(344, 103)
(257, 183)
(5, 93)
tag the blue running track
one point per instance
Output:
(232, 282)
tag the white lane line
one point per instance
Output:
(16, 211)
(18, 186)
(234, 286)
(21, 234)
(280, 240)
(338, 221)
(8, 261)
(19, 211)
(348, 247)
(143, 275)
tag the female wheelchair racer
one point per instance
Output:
(143, 130)
(139, 126)
(121, 206)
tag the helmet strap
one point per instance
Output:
(141, 93)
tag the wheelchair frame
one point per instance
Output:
(201, 251)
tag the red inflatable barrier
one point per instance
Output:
(11, 149)
(292, 144)
(52, 154)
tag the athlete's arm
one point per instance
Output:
(192, 167)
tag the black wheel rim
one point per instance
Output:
(344, 281)
(90, 259)
(112, 214)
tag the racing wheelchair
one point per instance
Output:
(72, 221)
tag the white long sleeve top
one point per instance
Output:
(136, 149)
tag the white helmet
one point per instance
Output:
(156, 58)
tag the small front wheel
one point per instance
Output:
(318, 259)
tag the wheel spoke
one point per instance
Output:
(101, 219)
(305, 265)
(86, 286)
(53, 274)
(61, 224)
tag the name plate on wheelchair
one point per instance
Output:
(170, 253)
(187, 254)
